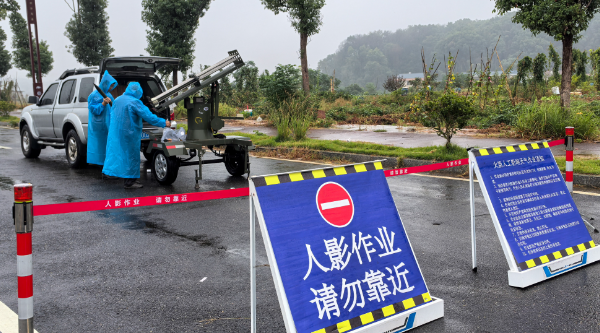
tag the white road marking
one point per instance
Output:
(2, 147)
(335, 204)
(203, 279)
(9, 321)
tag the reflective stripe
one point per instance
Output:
(25, 308)
(23, 244)
(24, 265)
(25, 286)
(569, 166)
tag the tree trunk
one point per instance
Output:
(304, 62)
(565, 85)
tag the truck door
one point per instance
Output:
(64, 105)
(42, 113)
(86, 86)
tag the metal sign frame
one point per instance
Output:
(400, 322)
(516, 276)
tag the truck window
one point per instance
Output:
(85, 89)
(65, 92)
(48, 98)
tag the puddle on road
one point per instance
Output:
(6, 183)
(141, 222)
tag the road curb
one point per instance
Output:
(390, 162)
(394, 162)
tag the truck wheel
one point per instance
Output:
(165, 169)
(235, 161)
(75, 150)
(29, 145)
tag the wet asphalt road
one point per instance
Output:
(140, 269)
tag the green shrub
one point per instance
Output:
(447, 114)
(225, 110)
(293, 117)
(6, 108)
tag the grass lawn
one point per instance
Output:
(581, 164)
(8, 119)
(436, 153)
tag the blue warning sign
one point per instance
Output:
(342, 252)
(533, 206)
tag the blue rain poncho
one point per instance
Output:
(99, 121)
(124, 135)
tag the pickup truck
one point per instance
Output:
(59, 118)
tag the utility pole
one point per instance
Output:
(38, 88)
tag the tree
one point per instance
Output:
(281, 85)
(394, 83)
(539, 68)
(354, 89)
(172, 26)
(370, 88)
(306, 19)
(246, 86)
(580, 60)
(20, 44)
(523, 70)
(595, 59)
(564, 20)
(5, 7)
(554, 57)
(5, 65)
(320, 81)
(88, 32)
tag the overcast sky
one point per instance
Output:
(245, 25)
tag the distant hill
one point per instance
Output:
(372, 57)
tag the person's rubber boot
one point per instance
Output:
(134, 185)
(107, 177)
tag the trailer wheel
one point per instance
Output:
(165, 169)
(147, 156)
(235, 161)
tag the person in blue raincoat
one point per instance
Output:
(124, 135)
(99, 120)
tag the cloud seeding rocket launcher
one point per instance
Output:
(204, 123)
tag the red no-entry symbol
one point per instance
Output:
(335, 204)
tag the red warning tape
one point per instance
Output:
(556, 142)
(425, 168)
(90, 206)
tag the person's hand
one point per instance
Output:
(105, 101)
(168, 123)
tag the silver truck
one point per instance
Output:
(59, 118)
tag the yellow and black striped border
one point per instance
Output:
(372, 316)
(556, 255)
(312, 174)
(510, 149)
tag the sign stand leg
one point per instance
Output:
(472, 199)
(252, 266)
(589, 224)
